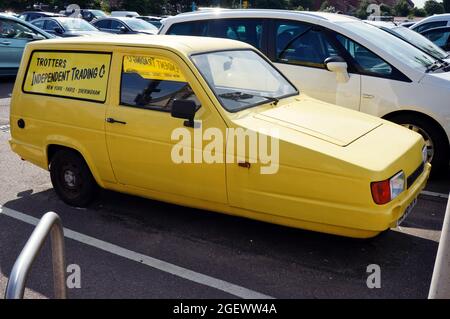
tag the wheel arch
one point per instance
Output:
(53, 147)
(427, 117)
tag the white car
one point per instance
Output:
(127, 14)
(434, 21)
(345, 61)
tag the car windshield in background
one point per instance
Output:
(139, 25)
(98, 13)
(76, 25)
(421, 42)
(242, 79)
(404, 51)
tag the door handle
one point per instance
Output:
(5, 42)
(112, 121)
(368, 96)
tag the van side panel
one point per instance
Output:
(51, 120)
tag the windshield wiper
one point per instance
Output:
(237, 96)
(272, 99)
(438, 64)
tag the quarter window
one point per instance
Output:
(151, 82)
(196, 28)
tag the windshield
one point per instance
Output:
(394, 46)
(76, 25)
(139, 25)
(421, 42)
(98, 13)
(242, 79)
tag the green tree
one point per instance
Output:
(270, 4)
(386, 10)
(434, 7)
(299, 4)
(419, 12)
(402, 8)
(361, 11)
(446, 4)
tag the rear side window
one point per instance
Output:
(194, 28)
(426, 26)
(153, 83)
(439, 37)
(74, 75)
(245, 30)
(103, 24)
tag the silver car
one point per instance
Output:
(14, 36)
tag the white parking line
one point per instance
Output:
(428, 193)
(146, 260)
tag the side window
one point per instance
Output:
(426, 26)
(116, 25)
(103, 24)
(367, 62)
(301, 44)
(14, 30)
(39, 24)
(245, 30)
(439, 37)
(50, 25)
(153, 83)
(196, 28)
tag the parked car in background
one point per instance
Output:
(156, 21)
(407, 24)
(434, 21)
(67, 27)
(335, 170)
(15, 34)
(33, 15)
(89, 14)
(127, 14)
(414, 38)
(344, 61)
(121, 25)
(439, 36)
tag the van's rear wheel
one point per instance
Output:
(72, 179)
(435, 140)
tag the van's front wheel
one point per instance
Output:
(72, 179)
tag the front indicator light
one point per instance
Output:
(385, 191)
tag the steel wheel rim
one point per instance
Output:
(428, 141)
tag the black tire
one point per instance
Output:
(72, 178)
(441, 156)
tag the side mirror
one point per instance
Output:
(35, 37)
(338, 65)
(58, 30)
(122, 29)
(184, 109)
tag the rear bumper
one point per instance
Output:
(412, 193)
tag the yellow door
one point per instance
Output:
(141, 133)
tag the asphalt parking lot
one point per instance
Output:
(129, 247)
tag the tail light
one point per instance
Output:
(385, 191)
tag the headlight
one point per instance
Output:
(385, 191)
(425, 154)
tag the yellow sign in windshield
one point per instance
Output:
(69, 74)
(151, 67)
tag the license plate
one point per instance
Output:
(407, 211)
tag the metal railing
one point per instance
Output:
(440, 283)
(51, 224)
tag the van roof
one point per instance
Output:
(183, 44)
